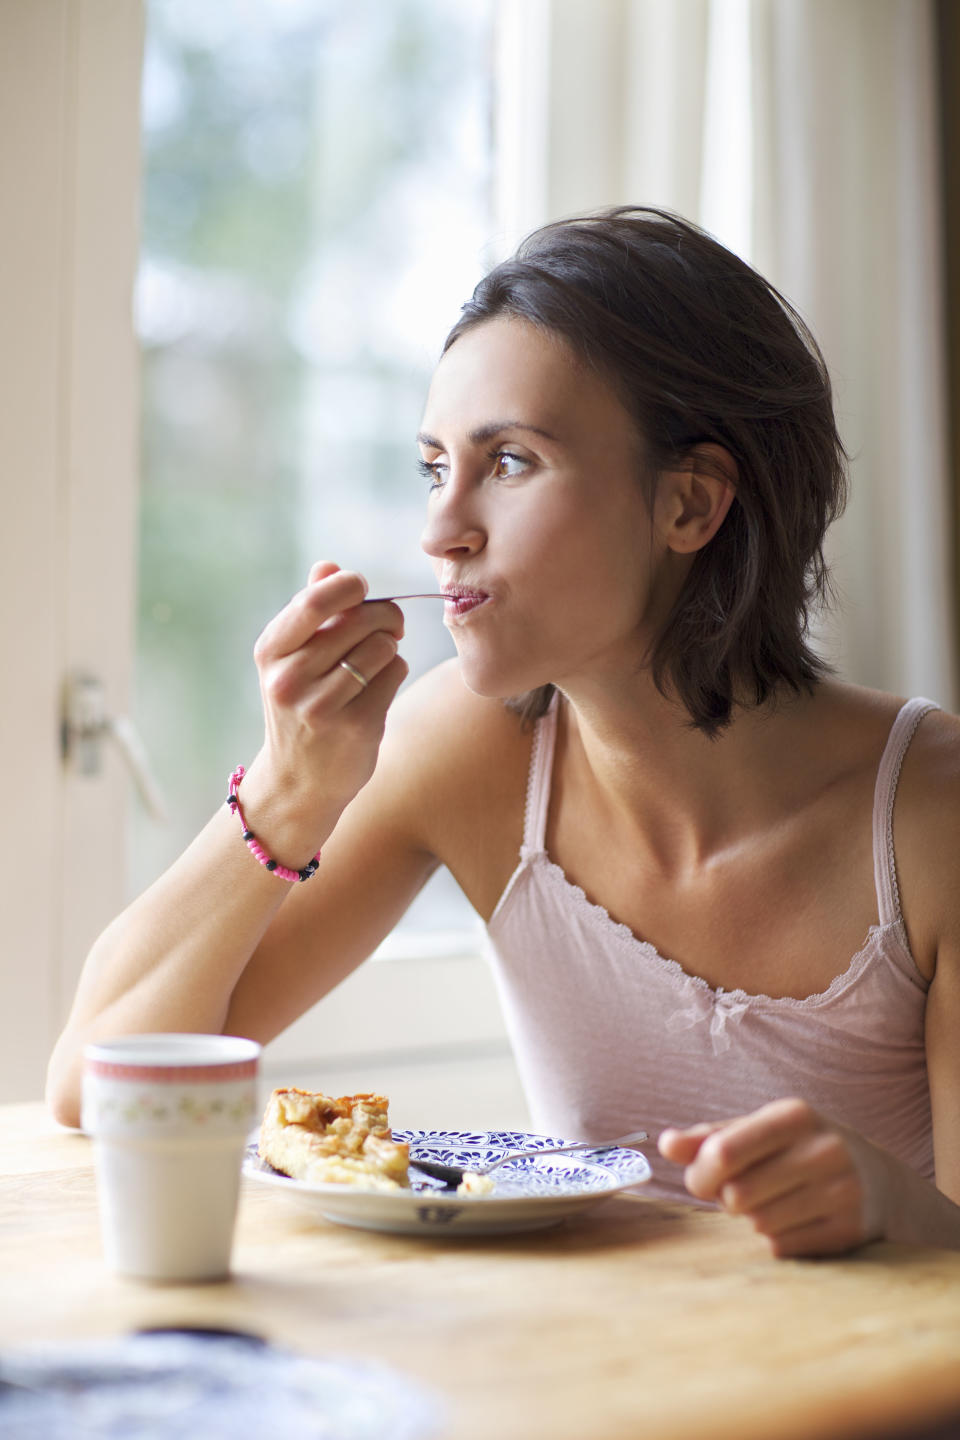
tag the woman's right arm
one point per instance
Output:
(173, 959)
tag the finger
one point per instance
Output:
(355, 671)
(681, 1146)
(833, 1233)
(351, 625)
(816, 1160)
(810, 1202)
(381, 691)
(734, 1148)
(379, 673)
(312, 607)
(334, 641)
(321, 570)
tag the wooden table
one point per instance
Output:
(638, 1319)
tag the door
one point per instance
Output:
(69, 177)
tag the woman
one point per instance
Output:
(632, 460)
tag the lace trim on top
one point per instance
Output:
(601, 917)
(533, 852)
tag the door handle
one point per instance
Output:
(87, 723)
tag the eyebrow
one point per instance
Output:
(487, 432)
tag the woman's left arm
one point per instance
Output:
(812, 1186)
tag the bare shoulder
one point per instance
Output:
(440, 706)
(442, 728)
(927, 838)
(454, 765)
(929, 790)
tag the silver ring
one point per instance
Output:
(352, 670)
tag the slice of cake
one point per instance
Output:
(326, 1141)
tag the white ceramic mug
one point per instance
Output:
(169, 1116)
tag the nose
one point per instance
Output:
(452, 531)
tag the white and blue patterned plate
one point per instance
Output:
(527, 1195)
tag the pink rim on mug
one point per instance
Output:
(154, 1058)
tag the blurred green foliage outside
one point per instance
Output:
(315, 209)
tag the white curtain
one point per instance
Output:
(803, 134)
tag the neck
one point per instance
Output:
(667, 785)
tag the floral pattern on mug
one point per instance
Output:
(221, 1108)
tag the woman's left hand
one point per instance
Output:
(811, 1186)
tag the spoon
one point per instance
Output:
(379, 599)
(452, 1175)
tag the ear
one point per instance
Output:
(693, 499)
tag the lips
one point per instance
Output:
(461, 599)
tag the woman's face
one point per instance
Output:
(536, 515)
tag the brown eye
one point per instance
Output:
(508, 466)
(433, 471)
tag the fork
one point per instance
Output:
(453, 1174)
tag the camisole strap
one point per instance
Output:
(538, 782)
(884, 863)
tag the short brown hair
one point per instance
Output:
(700, 348)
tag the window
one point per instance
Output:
(317, 183)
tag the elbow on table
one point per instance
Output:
(62, 1092)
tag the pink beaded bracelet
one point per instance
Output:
(253, 844)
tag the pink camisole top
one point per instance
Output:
(611, 1037)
